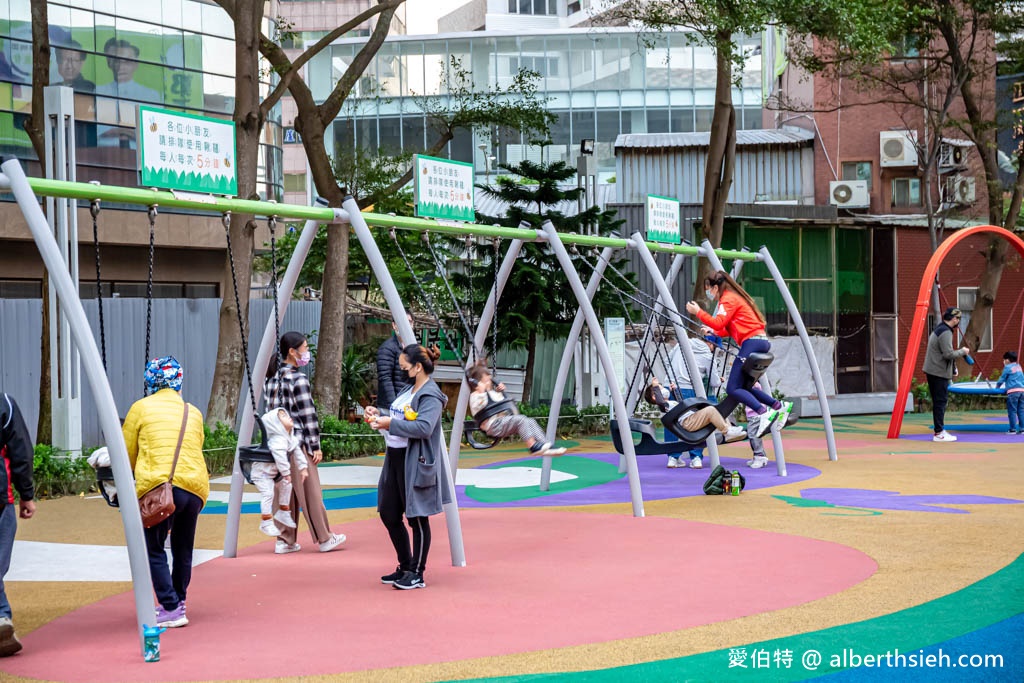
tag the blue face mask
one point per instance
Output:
(710, 296)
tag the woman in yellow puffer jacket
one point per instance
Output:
(151, 431)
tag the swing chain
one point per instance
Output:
(149, 278)
(272, 226)
(94, 210)
(226, 220)
(496, 242)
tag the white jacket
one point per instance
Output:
(283, 443)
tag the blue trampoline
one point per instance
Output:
(977, 388)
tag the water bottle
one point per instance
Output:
(151, 643)
(968, 360)
(735, 482)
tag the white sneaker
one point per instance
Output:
(282, 548)
(944, 436)
(284, 518)
(696, 463)
(765, 421)
(673, 463)
(735, 433)
(333, 542)
(758, 462)
(268, 527)
(553, 451)
(783, 417)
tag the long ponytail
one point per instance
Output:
(725, 281)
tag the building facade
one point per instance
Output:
(116, 55)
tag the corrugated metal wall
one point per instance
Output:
(763, 173)
(184, 328)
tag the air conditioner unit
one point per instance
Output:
(952, 156)
(897, 148)
(961, 190)
(849, 194)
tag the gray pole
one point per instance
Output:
(618, 405)
(568, 354)
(387, 287)
(819, 383)
(268, 344)
(677, 322)
(110, 423)
(737, 266)
(455, 441)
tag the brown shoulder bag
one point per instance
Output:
(157, 504)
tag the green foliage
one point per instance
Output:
(219, 445)
(58, 473)
(340, 440)
(357, 371)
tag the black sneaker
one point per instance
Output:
(409, 581)
(390, 579)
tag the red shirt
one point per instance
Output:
(736, 318)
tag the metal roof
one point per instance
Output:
(744, 138)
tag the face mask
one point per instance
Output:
(411, 373)
(303, 359)
(709, 295)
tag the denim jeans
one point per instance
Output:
(8, 527)
(1015, 410)
(171, 583)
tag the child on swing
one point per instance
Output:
(504, 424)
(736, 316)
(282, 442)
(656, 394)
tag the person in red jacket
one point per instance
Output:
(737, 317)
(16, 475)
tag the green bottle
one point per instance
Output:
(735, 482)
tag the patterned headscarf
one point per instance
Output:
(163, 373)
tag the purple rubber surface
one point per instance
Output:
(893, 500)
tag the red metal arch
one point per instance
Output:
(921, 312)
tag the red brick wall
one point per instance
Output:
(963, 267)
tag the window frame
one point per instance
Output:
(856, 164)
(910, 204)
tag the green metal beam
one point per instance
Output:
(145, 197)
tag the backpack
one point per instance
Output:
(714, 485)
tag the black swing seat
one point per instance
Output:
(672, 422)
(247, 455)
(649, 444)
(106, 474)
(472, 426)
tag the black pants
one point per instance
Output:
(391, 502)
(171, 583)
(939, 389)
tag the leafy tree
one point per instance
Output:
(537, 300)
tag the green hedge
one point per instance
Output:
(58, 473)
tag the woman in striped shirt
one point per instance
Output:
(288, 388)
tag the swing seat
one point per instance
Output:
(671, 421)
(649, 444)
(106, 474)
(247, 455)
(470, 427)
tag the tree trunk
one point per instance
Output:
(331, 336)
(721, 161)
(227, 374)
(531, 359)
(34, 127)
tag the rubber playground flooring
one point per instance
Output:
(906, 550)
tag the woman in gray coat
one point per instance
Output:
(413, 480)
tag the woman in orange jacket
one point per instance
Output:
(737, 317)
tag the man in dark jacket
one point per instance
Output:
(939, 368)
(390, 378)
(16, 475)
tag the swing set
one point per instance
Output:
(26, 191)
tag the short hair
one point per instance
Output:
(1010, 356)
(475, 374)
(951, 313)
(118, 43)
(653, 395)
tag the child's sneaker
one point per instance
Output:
(555, 451)
(173, 618)
(284, 518)
(696, 463)
(268, 527)
(735, 433)
(546, 448)
(673, 463)
(757, 462)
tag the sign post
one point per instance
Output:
(443, 189)
(663, 220)
(186, 152)
(615, 336)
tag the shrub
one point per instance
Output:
(58, 473)
(340, 440)
(219, 448)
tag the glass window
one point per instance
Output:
(217, 22)
(413, 130)
(218, 94)
(634, 121)
(906, 192)
(857, 170)
(172, 13)
(82, 30)
(60, 25)
(21, 289)
(294, 182)
(682, 120)
(21, 10)
(657, 120)
(192, 16)
(966, 300)
(581, 62)
(18, 57)
(390, 134)
(219, 55)
(703, 116)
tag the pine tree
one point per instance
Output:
(537, 300)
